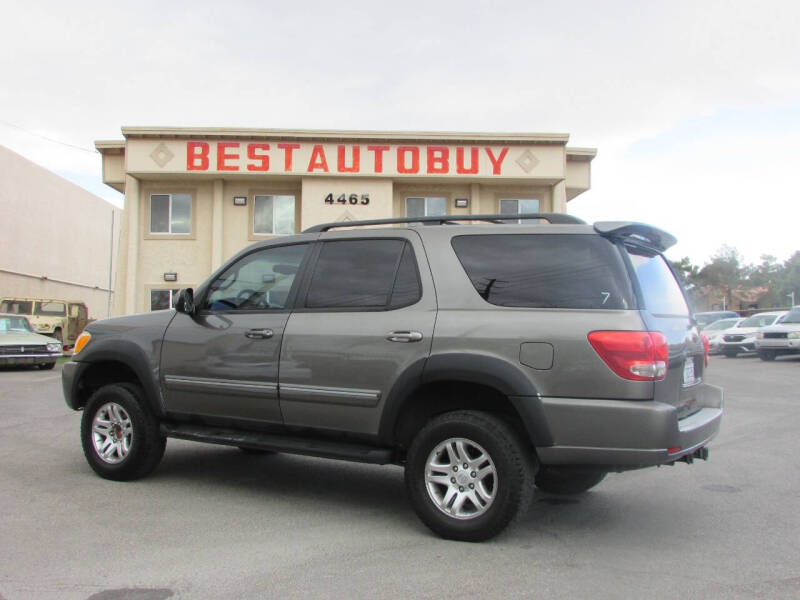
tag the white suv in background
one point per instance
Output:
(716, 330)
(781, 338)
(742, 339)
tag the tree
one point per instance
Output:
(724, 273)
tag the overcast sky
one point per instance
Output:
(694, 106)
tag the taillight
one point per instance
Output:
(635, 355)
(706, 347)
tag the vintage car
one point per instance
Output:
(20, 345)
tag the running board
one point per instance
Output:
(280, 443)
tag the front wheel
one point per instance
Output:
(469, 474)
(730, 353)
(119, 434)
(767, 355)
(566, 480)
(46, 366)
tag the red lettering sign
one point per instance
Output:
(473, 161)
(402, 167)
(262, 159)
(438, 159)
(197, 156)
(378, 151)
(340, 162)
(317, 160)
(223, 156)
(497, 162)
(287, 155)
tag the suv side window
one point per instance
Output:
(261, 280)
(546, 270)
(373, 274)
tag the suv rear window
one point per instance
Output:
(546, 270)
(50, 309)
(661, 292)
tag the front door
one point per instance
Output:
(223, 361)
(365, 315)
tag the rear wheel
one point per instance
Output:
(566, 480)
(469, 474)
(58, 335)
(120, 436)
(767, 355)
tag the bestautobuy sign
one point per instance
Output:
(369, 159)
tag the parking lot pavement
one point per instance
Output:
(212, 522)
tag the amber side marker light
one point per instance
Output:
(81, 342)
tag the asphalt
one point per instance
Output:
(212, 522)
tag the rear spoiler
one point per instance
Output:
(636, 233)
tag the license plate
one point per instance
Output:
(688, 372)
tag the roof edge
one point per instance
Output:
(193, 132)
(581, 154)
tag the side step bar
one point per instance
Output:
(280, 443)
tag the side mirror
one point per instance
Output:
(185, 301)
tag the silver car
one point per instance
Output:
(742, 338)
(20, 345)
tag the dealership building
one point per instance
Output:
(195, 196)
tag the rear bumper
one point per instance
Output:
(626, 433)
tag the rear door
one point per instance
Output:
(365, 315)
(664, 309)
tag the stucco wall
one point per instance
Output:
(56, 236)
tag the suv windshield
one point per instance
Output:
(758, 321)
(51, 309)
(792, 317)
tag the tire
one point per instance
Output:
(730, 353)
(491, 446)
(565, 480)
(767, 355)
(59, 336)
(123, 403)
(46, 366)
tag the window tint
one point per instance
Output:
(261, 280)
(661, 291)
(362, 274)
(545, 271)
(407, 289)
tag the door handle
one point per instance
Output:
(404, 336)
(259, 334)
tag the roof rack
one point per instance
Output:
(552, 218)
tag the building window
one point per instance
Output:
(273, 215)
(426, 207)
(517, 206)
(162, 299)
(170, 213)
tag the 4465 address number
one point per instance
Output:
(345, 199)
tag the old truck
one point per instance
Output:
(62, 319)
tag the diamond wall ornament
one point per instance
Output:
(161, 155)
(345, 216)
(528, 161)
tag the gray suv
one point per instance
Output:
(487, 359)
